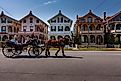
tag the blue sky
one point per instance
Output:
(45, 9)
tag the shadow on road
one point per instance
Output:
(26, 56)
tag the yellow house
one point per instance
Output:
(89, 28)
(8, 27)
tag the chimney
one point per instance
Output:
(105, 16)
(2, 13)
(77, 17)
(59, 11)
(30, 12)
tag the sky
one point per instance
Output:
(46, 9)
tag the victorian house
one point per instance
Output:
(30, 24)
(60, 26)
(90, 29)
(8, 27)
(114, 25)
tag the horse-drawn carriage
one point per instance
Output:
(34, 49)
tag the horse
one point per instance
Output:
(60, 44)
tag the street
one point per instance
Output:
(77, 66)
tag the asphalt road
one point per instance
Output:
(77, 66)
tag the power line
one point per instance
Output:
(6, 11)
(99, 5)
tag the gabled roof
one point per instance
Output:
(90, 13)
(31, 14)
(59, 14)
(115, 15)
(3, 15)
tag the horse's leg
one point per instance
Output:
(47, 52)
(62, 48)
(57, 52)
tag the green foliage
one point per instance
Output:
(77, 40)
(116, 40)
(110, 39)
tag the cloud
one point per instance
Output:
(49, 2)
(43, 4)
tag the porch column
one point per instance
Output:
(88, 35)
(115, 27)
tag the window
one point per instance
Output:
(24, 28)
(65, 21)
(67, 28)
(52, 37)
(58, 19)
(9, 21)
(82, 28)
(69, 20)
(119, 18)
(61, 19)
(89, 19)
(3, 20)
(37, 21)
(60, 28)
(3, 29)
(31, 28)
(82, 20)
(20, 21)
(53, 28)
(24, 21)
(37, 28)
(9, 29)
(53, 21)
(31, 20)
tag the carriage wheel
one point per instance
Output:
(16, 52)
(33, 51)
(7, 51)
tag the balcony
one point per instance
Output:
(65, 32)
(29, 32)
(85, 32)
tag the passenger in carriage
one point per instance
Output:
(14, 43)
(14, 40)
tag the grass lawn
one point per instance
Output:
(90, 49)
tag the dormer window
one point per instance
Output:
(9, 21)
(53, 21)
(24, 21)
(82, 20)
(89, 19)
(31, 20)
(58, 19)
(119, 18)
(61, 19)
(37, 21)
(3, 20)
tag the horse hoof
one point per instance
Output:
(46, 55)
(56, 55)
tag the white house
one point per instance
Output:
(60, 26)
